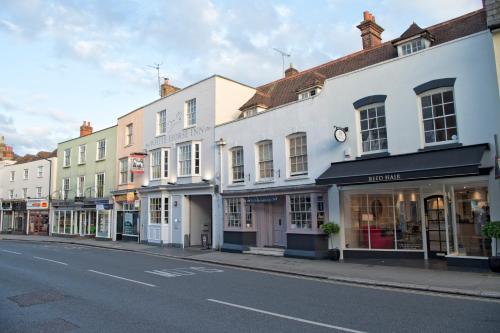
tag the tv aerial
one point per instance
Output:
(283, 56)
(157, 67)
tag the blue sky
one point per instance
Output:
(63, 62)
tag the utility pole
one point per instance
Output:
(283, 55)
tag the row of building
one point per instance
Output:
(396, 143)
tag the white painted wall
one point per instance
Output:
(470, 60)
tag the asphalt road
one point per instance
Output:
(67, 288)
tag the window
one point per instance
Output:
(300, 211)
(129, 132)
(123, 171)
(11, 194)
(12, 175)
(265, 151)
(155, 210)
(161, 122)
(165, 163)
(101, 149)
(248, 215)
(197, 159)
(82, 154)
(65, 188)
(165, 210)
(26, 174)
(191, 112)
(373, 129)
(67, 157)
(155, 158)
(320, 211)
(38, 192)
(25, 193)
(298, 154)
(233, 212)
(99, 185)
(438, 114)
(237, 165)
(39, 171)
(185, 159)
(413, 46)
(250, 112)
(80, 186)
(307, 94)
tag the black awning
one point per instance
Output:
(440, 163)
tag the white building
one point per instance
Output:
(413, 177)
(24, 194)
(177, 196)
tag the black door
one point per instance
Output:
(435, 226)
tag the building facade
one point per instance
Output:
(82, 204)
(129, 170)
(177, 197)
(24, 195)
(395, 143)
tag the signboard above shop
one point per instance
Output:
(262, 199)
(37, 204)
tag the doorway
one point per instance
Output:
(435, 224)
(271, 224)
(200, 220)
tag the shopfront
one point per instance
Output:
(288, 219)
(415, 209)
(14, 216)
(127, 216)
(38, 216)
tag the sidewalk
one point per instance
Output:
(483, 284)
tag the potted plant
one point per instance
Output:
(492, 230)
(331, 229)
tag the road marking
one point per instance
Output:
(11, 252)
(344, 329)
(54, 261)
(176, 272)
(122, 278)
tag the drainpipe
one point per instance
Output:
(220, 144)
(49, 205)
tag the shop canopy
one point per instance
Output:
(440, 163)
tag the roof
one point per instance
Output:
(413, 30)
(39, 156)
(284, 90)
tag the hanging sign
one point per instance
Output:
(137, 164)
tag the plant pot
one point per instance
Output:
(494, 264)
(334, 254)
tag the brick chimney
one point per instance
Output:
(86, 129)
(167, 89)
(291, 71)
(370, 31)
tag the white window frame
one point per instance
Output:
(237, 165)
(25, 193)
(65, 189)
(161, 122)
(158, 205)
(12, 176)
(98, 149)
(39, 171)
(129, 134)
(82, 159)
(262, 177)
(190, 113)
(123, 173)
(11, 194)
(412, 47)
(165, 163)
(67, 158)
(39, 192)
(97, 184)
(194, 162)
(421, 116)
(303, 223)
(155, 164)
(360, 130)
(80, 186)
(290, 139)
(233, 213)
(26, 174)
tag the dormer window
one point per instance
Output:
(308, 93)
(413, 46)
(414, 39)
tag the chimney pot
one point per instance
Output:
(291, 71)
(370, 31)
(85, 129)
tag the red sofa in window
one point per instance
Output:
(379, 238)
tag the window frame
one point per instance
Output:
(123, 173)
(289, 156)
(262, 178)
(26, 174)
(80, 192)
(80, 150)
(360, 129)
(39, 171)
(67, 158)
(25, 192)
(65, 189)
(413, 49)
(161, 124)
(129, 134)
(38, 192)
(12, 176)
(233, 213)
(158, 210)
(152, 167)
(190, 113)
(96, 186)
(240, 166)
(98, 149)
(195, 159)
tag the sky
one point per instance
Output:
(63, 62)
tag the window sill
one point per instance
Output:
(81, 163)
(264, 181)
(189, 126)
(66, 166)
(439, 146)
(297, 177)
(100, 160)
(367, 155)
(236, 184)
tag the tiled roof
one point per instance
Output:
(413, 30)
(39, 156)
(284, 90)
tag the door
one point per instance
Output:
(279, 225)
(435, 223)
(177, 220)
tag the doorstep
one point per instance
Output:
(266, 251)
(468, 262)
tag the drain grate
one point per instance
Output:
(37, 297)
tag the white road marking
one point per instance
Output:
(122, 278)
(344, 329)
(176, 272)
(11, 252)
(54, 261)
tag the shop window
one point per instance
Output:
(297, 144)
(472, 213)
(300, 211)
(438, 115)
(103, 220)
(373, 128)
(320, 211)
(238, 170)
(233, 212)
(155, 210)
(265, 158)
(248, 215)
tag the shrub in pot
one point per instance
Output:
(492, 230)
(331, 229)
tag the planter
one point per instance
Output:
(334, 254)
(494, 264)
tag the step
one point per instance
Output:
(266, 251)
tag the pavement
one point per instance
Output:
(61, 287)
(423, 279)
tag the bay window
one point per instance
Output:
(189, 159)
(155, 160)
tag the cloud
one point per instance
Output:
(9, 26)
(89, 49)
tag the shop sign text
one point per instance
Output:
(389, 177)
